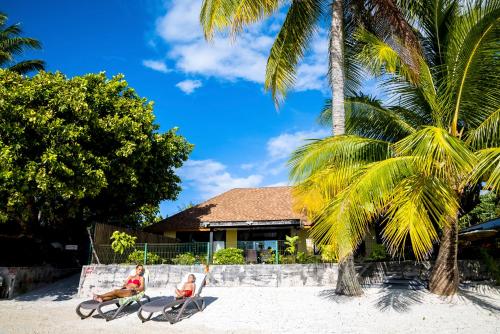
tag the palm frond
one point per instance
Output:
(437, 153)
(419, 204)
(234, 14)
(473, 64)
(290, 45)
(335, 151)
(487, 134)
(488, 168)
(26, 66)
(344, 221)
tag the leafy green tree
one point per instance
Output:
(122, 241)
(12, 45)
(81, 150)
(412, 160)
(487, 209)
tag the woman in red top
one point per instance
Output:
(133, 285)
(187, 289)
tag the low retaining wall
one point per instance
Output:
(160, 276)
(19, 280)
(105, 277)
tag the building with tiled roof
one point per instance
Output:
(261, 215)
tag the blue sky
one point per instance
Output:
(212, 91)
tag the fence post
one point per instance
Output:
(145, 253)
(90, 254)
(276, 255)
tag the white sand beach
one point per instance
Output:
(269, 310)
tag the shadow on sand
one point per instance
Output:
(483, 296)
(188, 312)
(398, 298)
(64, 289)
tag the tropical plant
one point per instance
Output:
(411, 160)
(12, 45)
(291, 244)
(137, 257)
(184, 259)
(303, 19)
(229, 256)
(122, 241)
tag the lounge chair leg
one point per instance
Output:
(139, 314)
(82, 315)
(118, 311)
(169, 318)
(186, 303)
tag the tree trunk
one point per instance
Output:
(445, 277)
(347, 282)
(337, 68)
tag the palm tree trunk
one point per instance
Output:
(445, 277)
(337, 67)
(347, 282)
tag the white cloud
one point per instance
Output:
(210, 178)
(189, 86)
(247, 166)
(243, 58)
(278, 184)
(156, 65)
(280, 147)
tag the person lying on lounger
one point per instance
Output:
(132, 286)
(187, 289)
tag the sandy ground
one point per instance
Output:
(269, 310)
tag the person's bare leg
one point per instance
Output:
(179, 293)
(118, 293)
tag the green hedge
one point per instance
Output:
(229, 256)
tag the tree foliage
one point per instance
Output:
(84, 149)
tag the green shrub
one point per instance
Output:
(287, 259)
(201, 259)
(229, 256)
(306, 258)
(137, 256)
(184, 259)
(267, 256)
(378, 253)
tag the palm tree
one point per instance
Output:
(412, 161)
(302, 19)
(11, 45)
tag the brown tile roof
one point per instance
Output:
(240, 204)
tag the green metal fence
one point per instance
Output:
(266, 251)
(152, 253)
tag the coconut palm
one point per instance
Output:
(303, 18)
(12, 44)
(412, 161)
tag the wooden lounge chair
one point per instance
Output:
(163, 305)
(92, 305)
